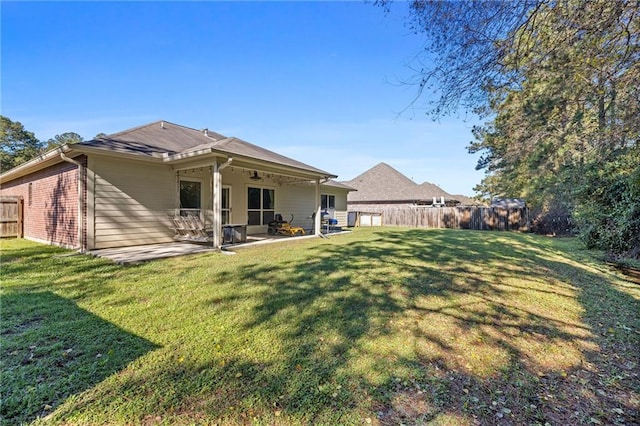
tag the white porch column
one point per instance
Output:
(318, 220)
(216, 199)
(216, 178)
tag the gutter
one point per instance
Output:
(81, 174)
(31, 166)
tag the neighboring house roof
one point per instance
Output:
(383, 183)
(467, 201)
(169, 142)
(508, 203)
(429, 190)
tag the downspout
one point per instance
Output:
(81, 173)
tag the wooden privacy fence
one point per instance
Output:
(11, 215)
(478, 218)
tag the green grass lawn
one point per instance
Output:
(378, 326)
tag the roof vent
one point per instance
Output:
(206, 132)
(162, 124)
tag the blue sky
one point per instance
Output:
(320, 82)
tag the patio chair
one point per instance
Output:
(179, 227)
(189, 228)
(197, 228)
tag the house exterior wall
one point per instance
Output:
(341, 197)
(238, 182)
(289, 199)
(299, 201)
(202, 175)
(339, 194)
(340, 213)
(127, 202)
(50, 203)
(130, 202)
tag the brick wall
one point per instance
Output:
(50, 203)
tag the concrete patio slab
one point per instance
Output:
(144, 253)
(137, 254)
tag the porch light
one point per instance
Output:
(255, 176)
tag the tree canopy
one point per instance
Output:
(17, 145)
(62, 139)
(559, 82)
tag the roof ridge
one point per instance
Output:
(401, 175)
(387, 168)
(124, 132)
(169, 138)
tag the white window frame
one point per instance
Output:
(191, 179)
(261, 209)
(328, 204)
(229, 208)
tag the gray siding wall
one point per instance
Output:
(341, 203)
(130, 203)
(298, 200)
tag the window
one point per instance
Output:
(260, 205)
(327, 201)
(190, 197)
(226, 205)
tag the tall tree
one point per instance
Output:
(465, 50)
(17, 145)
(561, 81)
(568, 136)
(62, 139)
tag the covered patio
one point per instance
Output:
(236, 194)
(163, 182)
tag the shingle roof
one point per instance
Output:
(428, 190)
(336, 184)
(240, 147)
(508, 203)
(162, 138)
(384, 183)
(466, 201)
(153, 139)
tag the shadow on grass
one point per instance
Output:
(400, 326)
(52, 349)
(443, 321)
